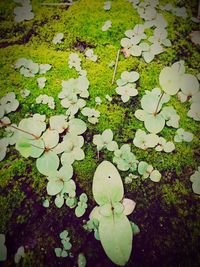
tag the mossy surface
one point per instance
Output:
(168, 213)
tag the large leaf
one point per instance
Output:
(107, 184)
(116, 237)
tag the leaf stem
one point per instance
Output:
(156, 111)
(38, 147)
(16, 128)
(116, 64)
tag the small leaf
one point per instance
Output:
(64, 234)
(59, 200)
(155, 176)
(58, 252)
(79, 211)
(64, 254)
(66, 244)
(81, 260)
(129, 206)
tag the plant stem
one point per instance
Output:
(16, 128)
(56, 4)
(156, 111)
(38, 147)
(116, 64)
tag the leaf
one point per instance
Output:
(83, 197)
(64, 234)
(107, 136)
(66, 244)
(107, 184)
(106, 210)
(135, 50)
(70, 202)
(32, 126)
(169, 80)
(19, 254)
(116, 238)
(140, 114)
(53, 188)
(142, 167)
(154, 124)
(129, 206)
(24, 145)
(95, 213)
(169, 147)
(77, 126)
(189, 84)
(81, 260)
(135, 228)
(118, 207)
(45, 203)
(51, 138)
(58, 252)
(64, 254)
(196, 187)
(79, 211)
(47, 163)
(155, 176)
(148, 56)
(112, 146)
(58, 123)
(30, 148)
(149, 103)
(59, 200)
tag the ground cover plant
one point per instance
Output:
(99, 133)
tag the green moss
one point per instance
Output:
(174, 193)
(9, 203)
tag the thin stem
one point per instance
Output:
(158, 103)
(116, 64)
(16, 128)
(56, 4)
(38, 147)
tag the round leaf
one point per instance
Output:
(47, 163)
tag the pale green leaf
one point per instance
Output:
(81, 260)
(47, 163)
(107, 184)
(116, 238)
(154, 124)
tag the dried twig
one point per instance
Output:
(116, 64)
